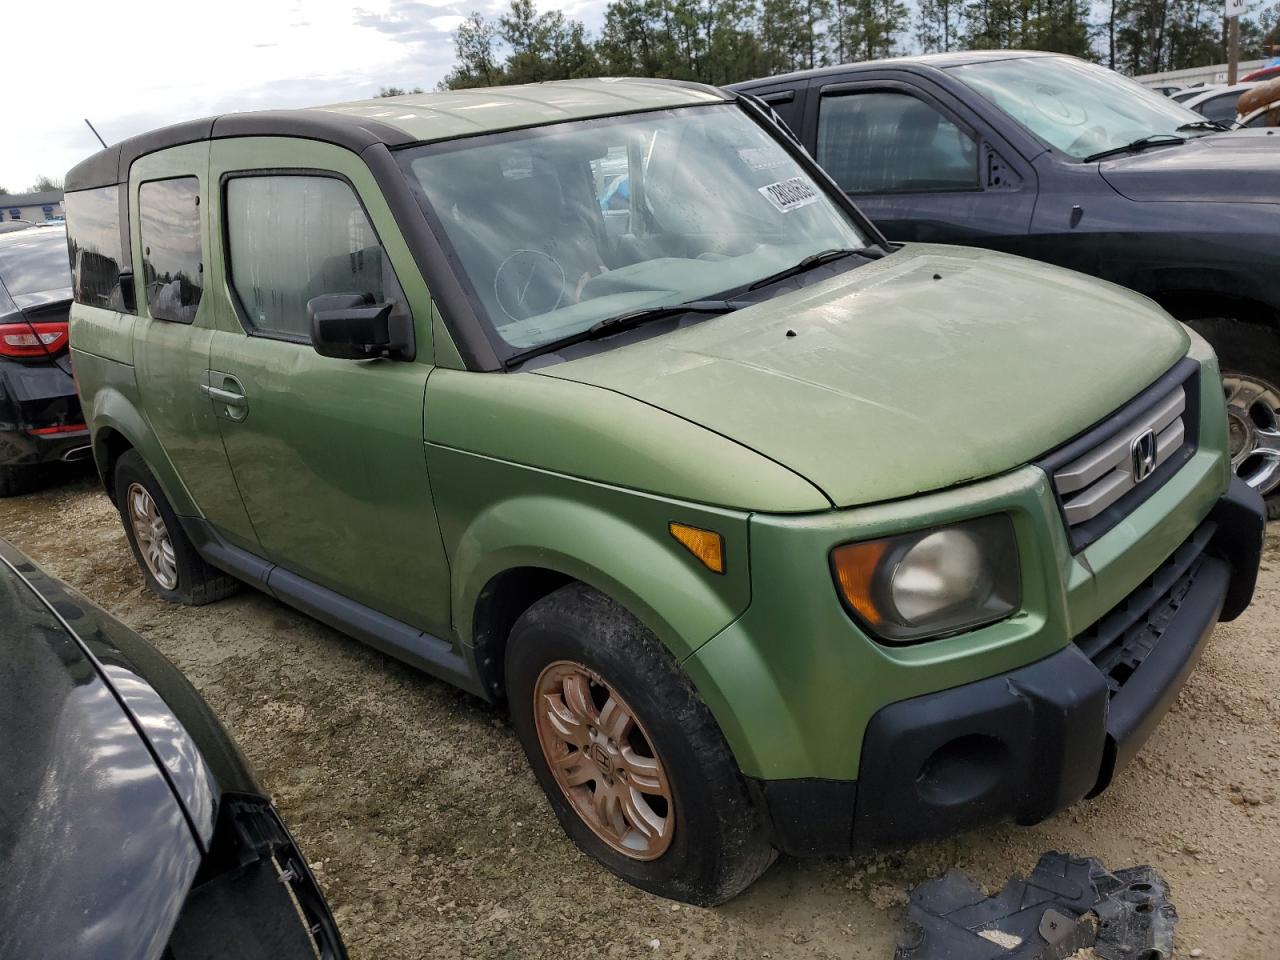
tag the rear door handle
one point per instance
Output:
(229, 397)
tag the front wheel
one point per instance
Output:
(631, 760)
(1249, 357)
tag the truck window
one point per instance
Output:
(172, 254)
(291, 238)
(882, 142)
(96, 246)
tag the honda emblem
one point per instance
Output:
(1142, 456)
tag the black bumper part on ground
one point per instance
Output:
(1024, 744)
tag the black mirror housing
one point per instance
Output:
(352, 326)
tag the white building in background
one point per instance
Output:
(1199, 75)
(36, 207)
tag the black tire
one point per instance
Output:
(15, 481)
(718, 847)
(1248, 349)
(197, 582)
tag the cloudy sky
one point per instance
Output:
(133, 65)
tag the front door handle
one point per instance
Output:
(225, 396)
(229, 398)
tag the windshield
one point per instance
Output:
(559, 227)
(35, 261)
(1077, 107)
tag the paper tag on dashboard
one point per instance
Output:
(788, 195)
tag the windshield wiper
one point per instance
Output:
(625, 321)
(1205, 124)
(1154, 140)
(872, 252)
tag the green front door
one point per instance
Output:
(328, 454)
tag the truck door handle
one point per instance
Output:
(229, 398)
(225, 396)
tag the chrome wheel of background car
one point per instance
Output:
(152, 536)
(1253, 430)
(603, 760)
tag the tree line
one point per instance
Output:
(722, 41)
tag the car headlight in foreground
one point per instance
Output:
(932, 582)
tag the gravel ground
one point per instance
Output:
(432, 839)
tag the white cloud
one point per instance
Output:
(139, 64)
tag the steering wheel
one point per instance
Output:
(529, 282)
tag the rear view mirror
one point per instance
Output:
(351, 326)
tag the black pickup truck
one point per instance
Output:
(1064, 161)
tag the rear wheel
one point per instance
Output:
(1249, 357)
(632, 762)
(172, 568)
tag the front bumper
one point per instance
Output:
(1023, 744)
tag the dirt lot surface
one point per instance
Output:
(432, 839)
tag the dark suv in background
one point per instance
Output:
(40, 420)
(1054, 158)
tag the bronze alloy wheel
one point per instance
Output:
(603, 760)
(152, 535)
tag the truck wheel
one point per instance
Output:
(1249, 357)
(631, 760)
(172, 568)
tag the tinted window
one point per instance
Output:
(95, 243)
(172, 255)
(893, 143)
(1221, 108)
(34, 261)
(291, 238)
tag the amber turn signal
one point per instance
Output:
(855, 567)
(706, 545)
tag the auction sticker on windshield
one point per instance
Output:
(788, 195)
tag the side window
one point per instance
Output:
(293, 237)
(172, 254)
(885, 142)
(1221, 108)
(96, 246)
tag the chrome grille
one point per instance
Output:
(1099, 477)
(1094, 481)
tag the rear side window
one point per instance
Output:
(294, 237)
(172, 254)
(893, 143)
(96, 247)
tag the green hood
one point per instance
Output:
(934, 366)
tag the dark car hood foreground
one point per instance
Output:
(95, 850)
(129, 823)
(1238, 167)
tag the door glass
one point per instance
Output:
(893, 143)
(1221, 108)
(96, 246)
(292, 238)
(172, 255)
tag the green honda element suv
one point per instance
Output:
(600, 400)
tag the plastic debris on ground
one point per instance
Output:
(1066, 905)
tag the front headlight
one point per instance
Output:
(934, 582)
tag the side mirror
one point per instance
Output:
(351, 326)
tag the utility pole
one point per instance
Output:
(1232, 11)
